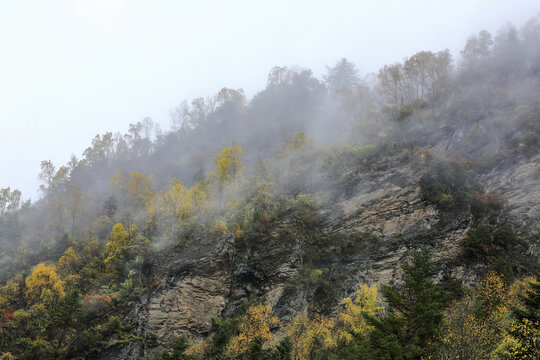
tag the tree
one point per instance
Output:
(414, 321)
(343, 77)
(43, 286)
(527, 328)
(177, 351)
(189, 117)
(10, 202)
(136, 189)
(63, 317)
(110, 206)
(365, 302)
(466, 335)
(280, 76)
(228, 164)
(254, 324)
(12, 293)
(118, 182)
(231, 96)
(477, 47)
(530, 302)
(313, 337)
(392, 81)
(46, 175)
(74, 197)
(177, 201)
(139, 188)
(69, 262)
(101, 150)
(479, 326)
(427, 73)
(423, 76)
(120, 239)
(297, 142)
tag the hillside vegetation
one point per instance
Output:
(388, 217)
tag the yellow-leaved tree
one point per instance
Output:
(199, 196)
(179, 205)
(255, 323)
(69, 260)
(228, 164)
(120, 239)
(365, 302)
(479, 326)
(68, 265)
(177, 201)
(12, 292)
(135, 189)
(313, 337)
(297, 142)
(43, 286)
(118, 182)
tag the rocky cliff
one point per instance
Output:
(359, 236)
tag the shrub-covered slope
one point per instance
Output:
(338, 218)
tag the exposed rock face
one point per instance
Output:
(518, 184)
(209, 278)
(189, 305)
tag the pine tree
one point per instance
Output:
(416, 313)
(527, 328)
(531, 303)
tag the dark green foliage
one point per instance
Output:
(530, 309)
(176, 352)
(496, 246)
(485, 204)
(226, 330)
(30, 349)
(415, 313)
(478, 245)
(61, 244)
(65, 315)
(528, 315)
(198, 176)
(256, 351)
(43, 334)
(348, 164)
(284, 349)
(357, 349)
(110, 206)
(320, 285)
(452, 289)
(447, 184)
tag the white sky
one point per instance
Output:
(70, 69)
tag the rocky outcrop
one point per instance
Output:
(518, 185)
(211, 276)
(188, 306)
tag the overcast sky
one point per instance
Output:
(70, 69)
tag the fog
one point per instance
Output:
(299, 135)
(73, 69)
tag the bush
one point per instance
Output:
(498, 247)
(447, 184)
(96, 305)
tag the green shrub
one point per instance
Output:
(447, 184)
(498, 247)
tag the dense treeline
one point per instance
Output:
(72, 262)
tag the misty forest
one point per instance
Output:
(392, 215)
